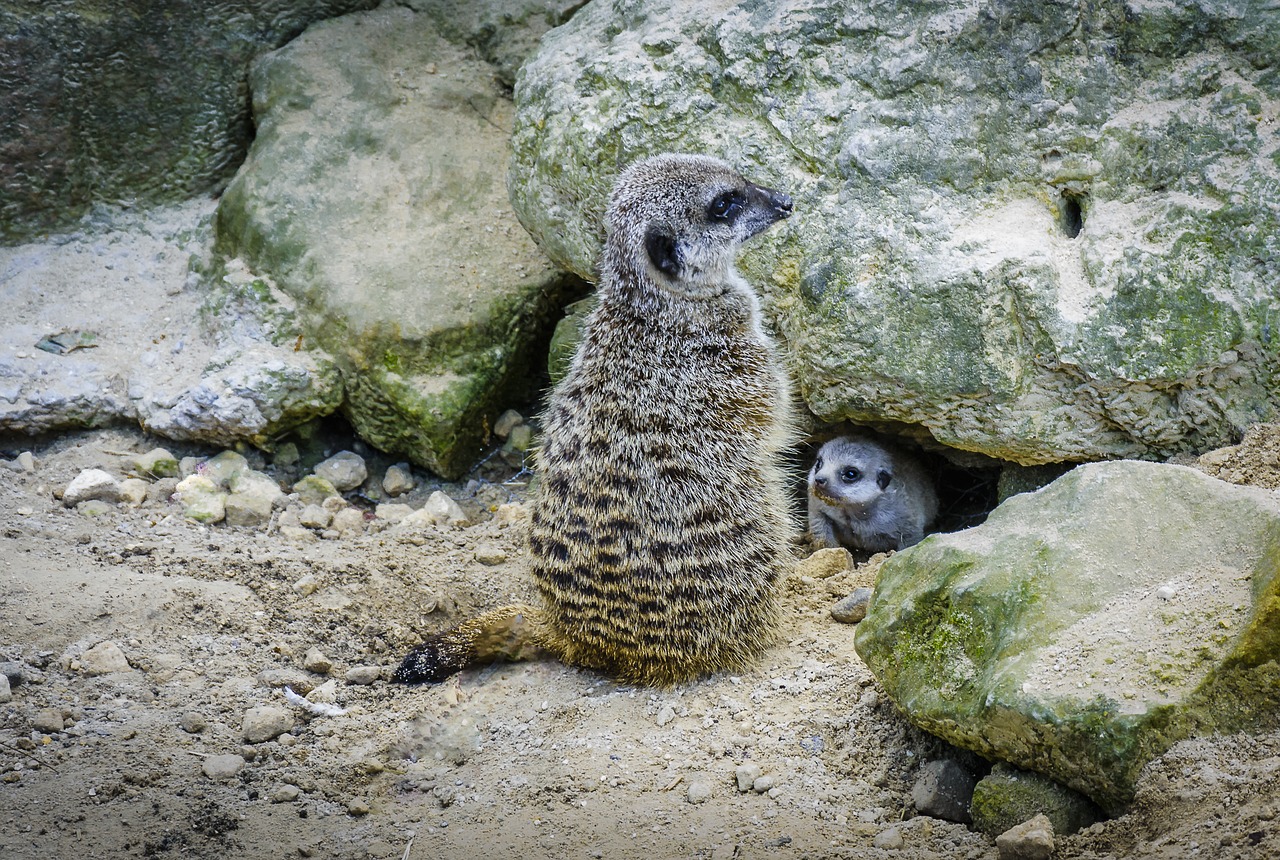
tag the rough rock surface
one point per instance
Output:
(374, 194)
(1085, 628)
(1040, 231)
(142, 101)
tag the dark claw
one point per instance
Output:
(428, 663)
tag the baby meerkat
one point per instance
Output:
(864, 494)
(661, 525)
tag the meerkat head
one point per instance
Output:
(851, 475)
(685, 216)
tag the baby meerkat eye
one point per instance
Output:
(850, 475)
(725, 207)
(817, 465)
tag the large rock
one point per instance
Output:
(143, 101)
(202, 356)
(374, 195)
(1041, 231)
(1086, 627)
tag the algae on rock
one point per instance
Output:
(1086, 627)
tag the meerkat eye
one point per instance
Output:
(850, 475)
(817, 465)
(725, 207)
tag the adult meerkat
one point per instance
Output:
(867, 495)
(661, 526)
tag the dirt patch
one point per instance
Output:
(513, 760)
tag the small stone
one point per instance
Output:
(91, 484)
(1166, 592)
(297, 533)
(162, 490)
(156, 463)
(103, 659)
(25, 462)
(507, 422)
(699, 791)
(363, 675)
(307, 585)
(345, 471)
(223, 766)
(313, 490)
(889, 839)
(746, 774)
(315, 661)
(6, 692)
(253, 497)
(490, 555)
(48, 721)
(358, 806)
(852, 609)
(133, 491)
(193, 722)
(264, 723)
(666, 715)
(14, 671)
(285, 794)
(296, 679)
(348, 521)
(201, 499)
(326, 693)
(1031, 840)
(764, 783)
(442, 509)
(398, 480)
(826, 563)
(393, 512)
(517, 444)
(93, 508)
(224, 468)
(314, 516)
(510, 514)
(944, 790)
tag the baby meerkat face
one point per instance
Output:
(849, 476)
(690, 214)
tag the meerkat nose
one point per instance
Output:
(781, 202)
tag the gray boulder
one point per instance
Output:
(374, 195)
(1040, 231)
(1086, 627)
(141, 102)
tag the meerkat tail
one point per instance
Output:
(510, 633)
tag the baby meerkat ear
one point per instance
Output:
(663, 252)
(883, 478)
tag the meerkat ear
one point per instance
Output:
(883, 479)
(663, 252)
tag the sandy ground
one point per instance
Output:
(515, 760)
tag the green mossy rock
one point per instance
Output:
(374, 195)
(1008, 796)
(1043, 232)
(135, 102)
(1085, 628)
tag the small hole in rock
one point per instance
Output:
(1072, 216)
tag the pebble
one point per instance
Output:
(193, 722)
(6, 692)
(223, 766)
(345, 471)
(201, 499)
(889, 839)
(14, 671)
(666, 715)
(264, 723)
(826, 563)
(507, 422)
(315, 516)
(103, 659)
(91, 485)
(944, 789)
(297, 533)
(699, 791)
(358, 806)
(325, 694)
(1166, 592)
(852, 609)
(162, 490)
(316, 661)
(296, 679)
(134, 491)
(746, 774)
(363, 675)
(392, 512)
(48, 721)
(223, 468)
(348, 521)
(442, 509)
(490, 555)
(519, 442)
(510, 514)
(156, 463)
(313, 490)
(764, 783)
(24, 462)
(1030, 840)
(285, 794)
(93, 508)
(398, 480)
